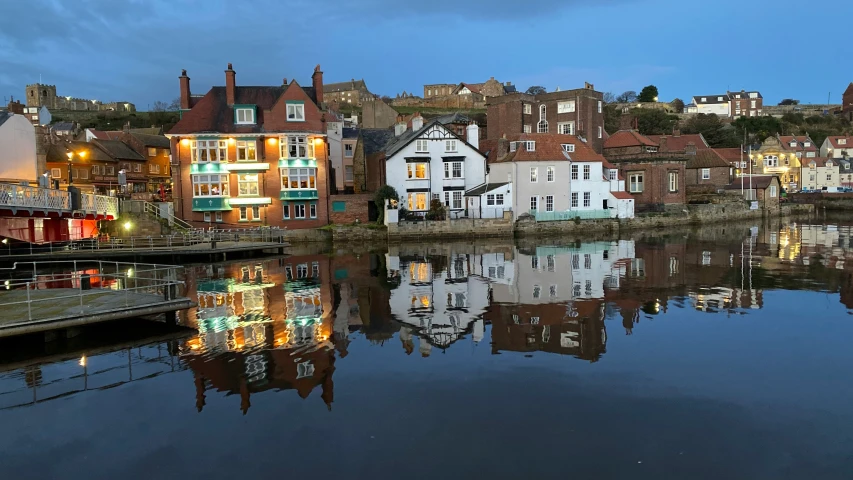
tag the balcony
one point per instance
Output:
(46, 200)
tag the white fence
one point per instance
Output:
(16, 197)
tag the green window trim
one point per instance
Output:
(254, 109)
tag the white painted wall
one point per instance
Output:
(334, 130)
(490, 211)
(18, 150)
(719, 109)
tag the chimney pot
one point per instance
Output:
(229, 67)
(284, 81)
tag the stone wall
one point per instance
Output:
(349, 208)
(489, 227)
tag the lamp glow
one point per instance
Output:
(127, 225)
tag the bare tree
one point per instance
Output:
(609, 97)
(175, 105)
(159, 106)
(627, 97)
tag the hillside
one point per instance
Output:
(116, 120)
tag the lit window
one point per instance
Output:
(417, 202)
(418, 171)
(295, 112)
(296, 146)
(245, 115)
(152, 152)
(209, 151)
(534, 174)
(246, 151)
(298, 178)
(247, 184)
(210, 185)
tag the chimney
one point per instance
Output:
(663, 147)
(399, 128)
(473, 134)
(676, 132)
(588, 86)
(502, 148)
(185, 90)
(417, 122)
(126, 128)
(284, 82)
(230, 85)
(317, 82)
(508, 84)
(626, 122)
(491, 78)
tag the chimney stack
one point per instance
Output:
(284, 82)
(676, 132)
(185, 90)
(230, 85)
(317, 83)
(399, 128)
(473, 134)
(417, 122)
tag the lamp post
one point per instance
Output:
(70, 157)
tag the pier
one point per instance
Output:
(46, 296)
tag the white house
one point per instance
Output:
(557, 177)
(837, 147)
(17, 148)
(718, 104)
(820, 173)
(431, 162)
(489, 200)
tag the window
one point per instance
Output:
(417, 202)
(152, 152)
(299, 210)
(153, 168)
(772, 191)
(534, 174)
(56, 172)
(542, 127)
(418, 171)
(453, 200)
(574, 199)
(587, 263)
(256, 213)
(752, 103)
(793, 143)
(574, 172)
(96, 170)
(549, 203)
(348, 148)
(549, 174)
(706, 174)
(534, 203)
(530, 146)
(599, 132)
(82, 174)
(673, 181)
(811, 154)
(528, 109)
(842, 141)
(566, 128)
(313, 210)
(348, 173)
(599, 106)
(298, 178)
(245, 115)
(828, 177)
(453, 170)
(566, 107)
(587, 199)
(210, 185)
(246, 151)
(569, 147)
(534, 262)
(719, 99)
(635, 182)
(551, 263)
(613, 174)
(206, 216)
(586, 172)
(208, 151)
(490, 200)
(285, 212)
(494, 199)
(296, 146)
(450, 145)
(295, 112)
(247, 184)
(537, 292)
(421, 146)
(704, 99)
(137, 167)
(243, 214)
(218, 217)
(527, 129)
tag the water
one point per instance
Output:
(720, 353)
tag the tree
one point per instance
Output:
(789, 101)
(627, 97)
(653, 121)
(159, 106)
(385, 192)
(436, 210)
(387, 99)
(758, 128)
(612, 118)
(649, 93)
(609, 97)
(677, 105)
(175, 105)
(536, 90)
(712, 128)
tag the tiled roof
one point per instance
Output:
(833, 140)
(787, 139)
(679, 143)
(350, 133)
(58, 153)
(118, 149)
(158, 141)
(732, 154)
(707, 159)
(484, 188)
(375, 139)
(818, 161)
(711, 99)
(762, 182)
(474, 87)
(628, 138)
(98, 134)
(344, 86)
(549, 147)
(148, 130)
(622, 195)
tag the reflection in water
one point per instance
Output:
(281, 324)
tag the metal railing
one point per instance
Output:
(142, 206)
(131, 284)
(209, 238)
(36, 198)
(569, 215)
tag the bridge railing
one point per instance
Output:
(100, 204)
(21, 196)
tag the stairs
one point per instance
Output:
(156, 211)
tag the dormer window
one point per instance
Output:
(569, 147)
(829, 164)
(651, 149)
(793, 143)
(244, 115)
(807, 144)
(513, 146)
(719, 99)
(530, 146)
(704, 99)
(842, 141)
(295, 112)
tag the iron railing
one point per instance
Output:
(569, 215)
(141, 206)
(16, 197)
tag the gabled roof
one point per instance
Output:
(707, 159)
(63, 126)
(800, 139)
(833, 141)
(98, 133)
(628, 138)
(375, 139)
(758, 182)
(5, 116)
(732, 154)
(818, 161)
(398, 143)
(118, 149)
(344, 86)
(58, 153)
(486, 187)
(474, 87)
(548, 147)
(157, 141)
(681, 142)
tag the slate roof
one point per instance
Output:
(628, 138)
(375, 139)
(148, 130)
(350, 133)
(158, 141)
(395, 144)
(510, 89)
(486, 187)
(711, 99)
(759, 182)
(213, 114)
(455, 117)
(118, 150)
(707, 159)
(58, 153)
(5, 116)
(344, 86)
(63, 126)
(680, 142)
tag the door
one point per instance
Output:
(372, 211)
(604, 204)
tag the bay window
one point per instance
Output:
(203, 151)
(417, 201)
(298, 178)
(418, 171)
(247, 151)
(210, 185)
(247, 184)
(296, 146)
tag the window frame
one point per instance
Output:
(412, 171)
(349, 150)
(207, 148)
(412, 201)
(566, 106)
(575, 201)
(450, 146)
(247, 112)
(534, 174)
(421, 145)
(706, 174)
(308, 173)
(242, 181)
(550, 174)
(672, 182)
(534, 203)
(561, 127)
(222, 186)
(298, 112)
(587, 172)
(248, 149)
(587, 199)
(549, 203)
(297, 207)
(636, 182)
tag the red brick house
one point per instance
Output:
(252, 155)
(847, 103)
(569, 112)
(707, 172)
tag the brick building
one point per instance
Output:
(707, 172)
(570, 112)
(847, 103)
(354, 92)
(252, 155)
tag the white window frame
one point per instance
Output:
(453, 171)
(534, 203)
(208, 149)
(137, 167)
(206, 216)
(549, 174)
(672, 182)
(636, 182)
(575, 202)
(349, 150)
(299, 211)
(218, 217)
(773, 191)
(298, 174)
(575, 172)
(312, 210)
(706, 174)
(413, 201)
(613, 174)
(566, 128)
(295, 112)
(450, 146)
(412, 171)
(296, 146)
(587, 199)
(285, 211)
(600, 134)
(56, 173)
(219, 181)
(599, 106)
(527, 129)
(528, 109)
(567, 106)
(453, 200)
(542, 126)
(549, 203)
(247, 151)
(248, 115)
(246, 183)
(152, 152)
(421, 146)
(534, 174)
(587, 172)
(244, 214)
(348, 173)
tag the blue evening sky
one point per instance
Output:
(135, 49)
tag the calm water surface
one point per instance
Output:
(720, 353)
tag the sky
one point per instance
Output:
(134, 50)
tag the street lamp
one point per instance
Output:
(70, 156)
